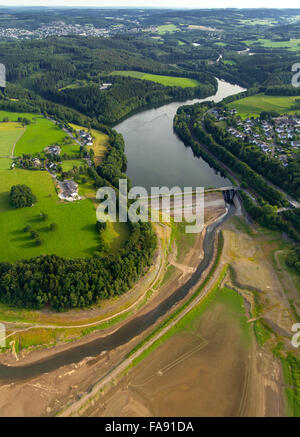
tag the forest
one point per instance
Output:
(64, 283)
(60, 73)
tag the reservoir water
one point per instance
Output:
(156, 156)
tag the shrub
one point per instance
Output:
(100, 226)
(34, 234)
(53, 227)
(43, 216)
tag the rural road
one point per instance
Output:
(14, 146)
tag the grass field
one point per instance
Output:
(77, 84)
(38, 136)
(70, 149)
(5, 163)
(229, 62)
(13, 116)
(182, 82)
(9, 134)
(115, 235)
(292, 45)
(167, 28)
(76, 233)
(266, 22)
(70, 163)
(254, 105)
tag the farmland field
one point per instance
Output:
(39, 135)
(292, 45)
(75, 236)
(182, 82)
(70, 163)
(5, 163)
(252, 106)
(229, 62)
(9, 134)
(70, 149)
(167, 28)
(13, 116)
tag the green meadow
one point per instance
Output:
(69, 164)
(229, 62)
(76, 234)
(252, 106)
(39, 135)
(5, 163)
(13, 116)
(9, 134)
(167, 28)
(292, 45)
(182, 82)
(70, 149)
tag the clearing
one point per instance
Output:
(182, 82)
(76, 233)
(38, 135)
(291, 45)
(9, 134)
(252, 106)
(167, 28)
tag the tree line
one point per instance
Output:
(72, 283)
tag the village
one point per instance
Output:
(61, 28)
(278, 136)
(51, 161)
